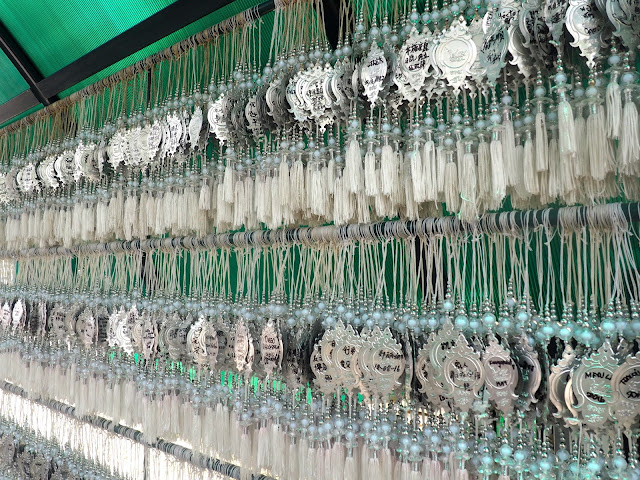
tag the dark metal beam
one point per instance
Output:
(17, 105)
(23, 64)
(167, 21)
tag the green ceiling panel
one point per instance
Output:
(11, 82)
(55, 33)
(212, 19)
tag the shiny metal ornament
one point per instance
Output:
(202, 341)
(554, 14)
(463, 374)
(271, 349)
(86, 328)
(115, 150)
(494, 49)
(55, 323)
(624, 404)
(154, 139)
(426, 376)
(243, 348)
(215, 117)
(455, 53)
(149, 338)
(558, 380)
(28, 179)
(587, 27)
(414, 58)
(373, 72)
(4, 194)
(591, 385)
(501, 375)
(18, 315)
(115, 319)
(405, 90)
(521, 56)
(343, 355)
(385, 363)
(252, 116)
(530, 373)
(50, 178)
(293, 96)
(195, 125)
(316, 98)
(625, 25)
(7, 449)
(174, 123)
(440, 345)
(5, 315)
(322, 371)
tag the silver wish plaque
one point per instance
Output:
(501, 375)
(591, 384)
(455, 53)
(373, 73)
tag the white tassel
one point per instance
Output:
(204, 201)
(389, 170)
(405, 471)
(468, 181)
(596, 146)
(509, 154)
(430, 174)
(530, 177)
(283, 179)
(298, 199)
(331, 176)
(370, 179)
(338, 460)
(498, 182)
(484, 172)
(350, 469)
(417, 171)
(227, 183)
(441, 163)
(581, 164)
(293, 462)
(629, 145)
(542, 142)
(353, 167)
(451, 191)
(566, 131)
(554, 160)
(246, 467)
(249, 191)
(239, 205)
(614, 106)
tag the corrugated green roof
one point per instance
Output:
(55, 33)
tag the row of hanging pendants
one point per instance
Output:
(465, 146)
(224, 419)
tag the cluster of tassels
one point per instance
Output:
(215, 429)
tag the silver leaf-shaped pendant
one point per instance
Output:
(591, 385)
(464, 374)
(625, 389)
(501, 375)
(373, 72)
(195, 125)
(586, 25)
(455, 53)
